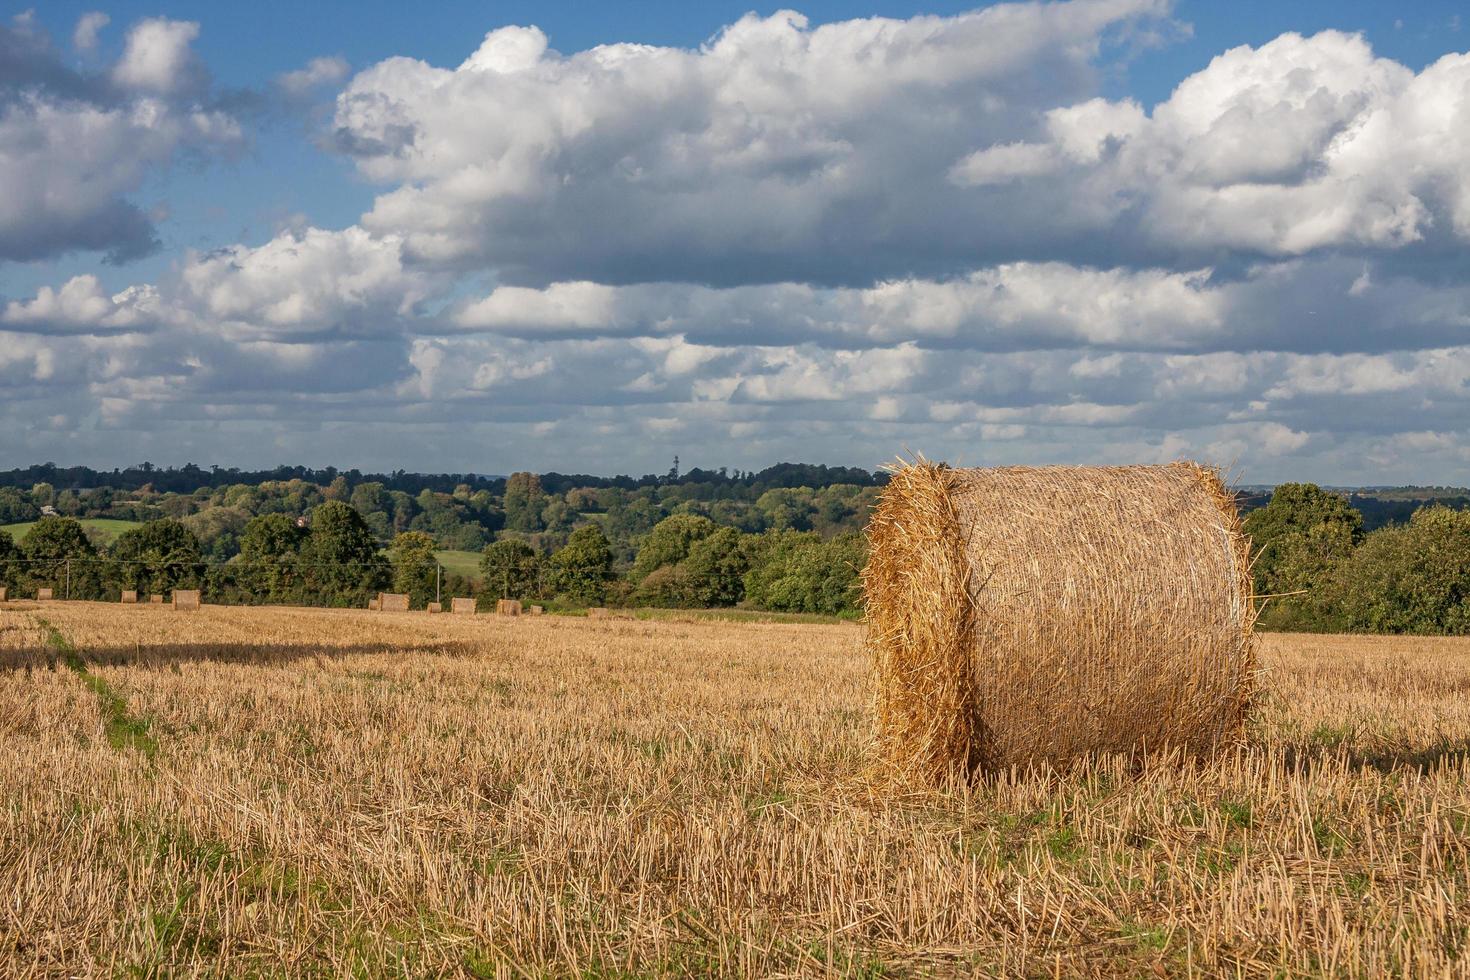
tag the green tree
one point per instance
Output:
(218, 529)
(580, 571)
(557, 516)
(668, 587)
(59, 556)
(786, 509)
(524, 502)
(159, 556)
(98, 500)
(43, 494)
(69, 503)
(1299, 537)
(404, 510)
(799, 572)
(716, 569)
(376, 507)
(669, 542)
(511, 569)
(1407, 578)
(344, 566)
(270, 558)
(9, 555)
(414, 567)
(15, 508)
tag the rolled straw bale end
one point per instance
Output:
(919, 619)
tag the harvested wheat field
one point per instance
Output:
(292, 792)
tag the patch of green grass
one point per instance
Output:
(1237, 814)
(1062, 844)
(848, 963)
(1330, 736)
(499, 861)
(757, 803)
(1329, 839)
(1219, 860)
(1191, 814)
(123, 730)
(466, 563)
(108, 528)
(1149, 937)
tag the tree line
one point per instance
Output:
(190, 477)
(1320, 571)
(332, 558)
(690, 543)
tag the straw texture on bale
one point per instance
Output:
(393, 602)
(129, 596)
(4, 593)
(507, 607)
(435, 607)
(186, 598)
(43, 594)
(1034, 615)
(462, 606)
(156, 599)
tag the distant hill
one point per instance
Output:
(1379, 505)
(189, 478)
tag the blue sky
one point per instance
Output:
(1044, 233)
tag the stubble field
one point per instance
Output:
(290, 792)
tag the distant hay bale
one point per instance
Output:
(393, 602)
(435, 607)
(462, 607)
(507, 607)
(129, 596)
(186, 598)
(43, 594)
(156, 599)
(597, 612)
(533, 611)
(4, 594)
(1039, 614)
(373, 604)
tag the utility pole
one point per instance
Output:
(68, 578)
(438, 578)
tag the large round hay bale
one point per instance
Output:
(1038, 614)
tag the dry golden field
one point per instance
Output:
(246, 792)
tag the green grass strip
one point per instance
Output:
(124, 731)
